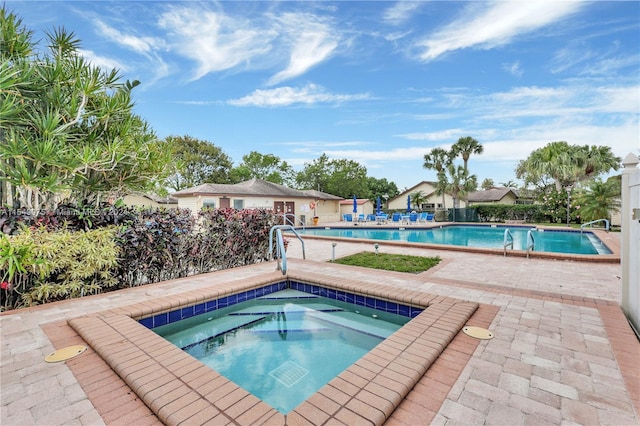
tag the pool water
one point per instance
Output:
(573, 242)
(285, 346)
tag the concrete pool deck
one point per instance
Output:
(562, 353)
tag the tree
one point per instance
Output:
(465, 147)
(418, 198)
(197, 162)
(439, 160)
(564, 165)
(509, 184)
(487, 184)
(381, 188)
(599, 199)
(66, 125)
(264, 166)
(342, 178)
(460, 183)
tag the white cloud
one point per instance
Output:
(102, 61)
(513, 68)
(400, 12)
(285, 96)
(142, 45)
(216, 42)
(313, 41)
(447, 134)
(490, 26)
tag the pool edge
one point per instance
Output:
(139, 356)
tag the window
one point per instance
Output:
(238, 204)
(210, 203)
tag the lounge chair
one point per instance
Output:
(396, 217)
(371, 218)
(361, 217)
(430, 217)
(413, 217)
(422, 217)
(347, 217)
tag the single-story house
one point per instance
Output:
(138, 199)
(365, 206)
(431, 200)
(500, 196)
(260, 194)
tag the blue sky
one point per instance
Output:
(377, 82)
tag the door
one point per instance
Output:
(225, 203)
(290, 207)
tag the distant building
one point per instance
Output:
(138, 199)
(260, 194)
(431, 202)
(500, 196)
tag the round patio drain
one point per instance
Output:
(477, 332)
(65, 353)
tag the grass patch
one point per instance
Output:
(390, 262)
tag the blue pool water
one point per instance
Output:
(573, 242)
(284, 346)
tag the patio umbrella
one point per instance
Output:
(408, 203)
(378, 206)
(355, 204)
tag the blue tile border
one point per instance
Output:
(317, 290)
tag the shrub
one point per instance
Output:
(503, 212)
(153, 247)
(41, 266)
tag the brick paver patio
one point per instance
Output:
(563, 352)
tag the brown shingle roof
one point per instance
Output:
(493, 194)
(253, 187)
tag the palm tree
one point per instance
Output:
(439, 159)
(597, 159)
(465, 147)
(418, 198)
(509, 184)
(68, 125)
(461, 183)
(598, 200)
(566, 164)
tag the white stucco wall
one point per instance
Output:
(327, 210)
(630, 258)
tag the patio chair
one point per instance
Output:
(361, 217)
(422, 217)
(382, 218)
(396, 217)
(371, 218)
(347, 217)
(413, 217)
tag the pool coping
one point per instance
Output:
(611, 243)
(178, 388)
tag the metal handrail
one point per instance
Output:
(280, 252)
(606, 224)
(287, 221)
(531, 243)
(507, 241)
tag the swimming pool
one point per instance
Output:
(479, 236)
(284, 346)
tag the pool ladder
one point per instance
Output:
(508, 241)
(606, 224)
(281, 253)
